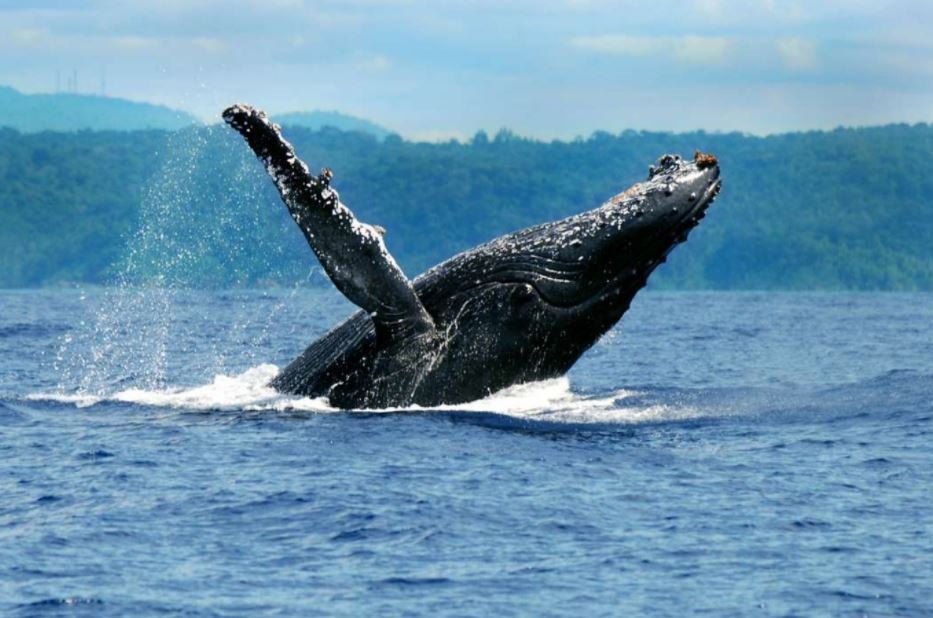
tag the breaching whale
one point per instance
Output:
(520, 308)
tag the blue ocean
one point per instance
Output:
(716, 453)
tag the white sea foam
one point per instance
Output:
(554, 400)
(547, 400)
(248, 391)
(80, 400)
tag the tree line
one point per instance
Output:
(842, 209)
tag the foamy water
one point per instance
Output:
(552, 400)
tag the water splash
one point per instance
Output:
(548, 400)
(207, 218)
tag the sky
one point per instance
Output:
(431, 69)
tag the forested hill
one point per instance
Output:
(319, 119)
(846, 209)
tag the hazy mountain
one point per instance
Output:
(31, 113)
(319, 119)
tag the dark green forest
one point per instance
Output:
(844, 209)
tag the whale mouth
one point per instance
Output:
(698, 211)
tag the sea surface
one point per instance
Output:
(716, 454)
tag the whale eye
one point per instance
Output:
(524, 294)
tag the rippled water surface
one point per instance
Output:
(718, 454)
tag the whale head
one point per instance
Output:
(599, 259)
(538, 298)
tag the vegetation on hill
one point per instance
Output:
(845, 209)
(317, 120)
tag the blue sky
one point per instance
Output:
(545, 68)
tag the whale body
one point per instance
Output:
(520, 308)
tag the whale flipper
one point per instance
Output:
(352, 253)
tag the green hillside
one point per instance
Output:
(846, 209)
(73, 112)
(317, 120)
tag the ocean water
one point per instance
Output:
(718, 454)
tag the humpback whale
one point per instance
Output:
(519, 308)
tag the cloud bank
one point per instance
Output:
(552, 68)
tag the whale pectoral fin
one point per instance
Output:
(352, 253)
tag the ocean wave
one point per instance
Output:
(548, 400)
(553, 402)
(247, 391)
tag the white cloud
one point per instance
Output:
(701, 49)
(422, 64)
(29, 36)
(134, 43)
(690, 48)
(797, 54)
(209, 44)
(374, 63)
(621, 44)
(712, 8)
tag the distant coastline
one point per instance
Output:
(835, 210)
